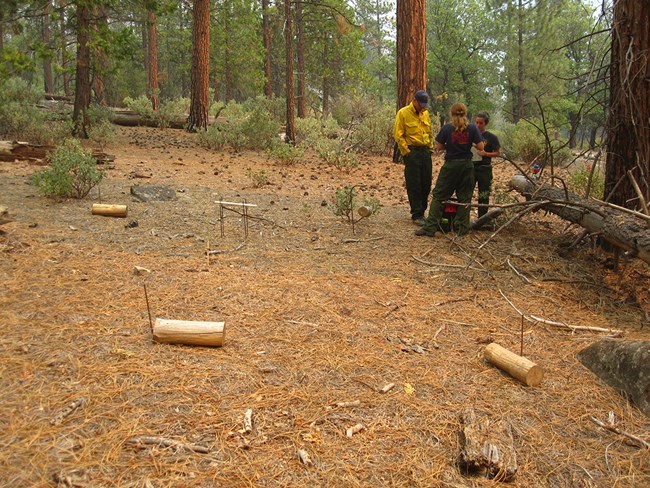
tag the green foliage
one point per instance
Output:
(343, 202)
(140, 105)
(73, 172)
(102, 132)
(287, 153)
(310, 130)
(20, 119)
(522, 141)
(258, 178)
(578, 182)
(374, 134)
(249, 126)
(170, 110)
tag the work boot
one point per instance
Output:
(425, 232)
(419, 221)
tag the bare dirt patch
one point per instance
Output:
(314, 316)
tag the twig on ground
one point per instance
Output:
(58, 418)
(161, 441)
(612, 428)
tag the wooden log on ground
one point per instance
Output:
(628, 231)
(486, 218)
(109, 210)
(189, 332)
(24, 151)
(364, 211)
(624, 365)
(487, 447)
(516, 366)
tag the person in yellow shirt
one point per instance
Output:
(414, 137)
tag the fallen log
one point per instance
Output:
(109, 210)
(624, 365)
(628, 231)
(189, 332)
(131, 119)
(487, 447)
(516, 366)
(24, 151)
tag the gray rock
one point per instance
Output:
(153, 193)
(625, 365)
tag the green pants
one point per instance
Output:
(418, 174)
(458, 177)
(483, 176)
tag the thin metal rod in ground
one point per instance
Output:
(245, 214)
(146, 298)
(221, 218)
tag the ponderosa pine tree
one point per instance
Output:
(198, 118)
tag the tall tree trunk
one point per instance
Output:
(152, 59)
(101, 62)
(291, 129)
(519, 112)
(48, 82)
(64, 50)
(411, 52)
(227, 67)
(326, 77)
(300, 58)
(82, 85)
(198, 118)
(628, 131)
(266, 29)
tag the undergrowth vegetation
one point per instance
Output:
(73, 172)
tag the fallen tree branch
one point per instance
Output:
(74, 405)
(612, 428)
(161, 441)
(614, 225)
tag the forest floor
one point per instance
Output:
(315, 315)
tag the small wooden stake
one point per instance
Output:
(109, 210)
(519, 367)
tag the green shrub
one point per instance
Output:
(310, 130)
(141, 106)
(73, 172)
(343, 202)
(374, 134)
(20, 119)
(99, 113)
(258, 178)
(170, 110)
(287, 153)
(578, 181)
(260, 129)
(522, 141)
(102, 133)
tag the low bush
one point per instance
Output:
(578, 182)
(73, 172)
(287, 153)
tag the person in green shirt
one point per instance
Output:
(414, 137)
(483, 168)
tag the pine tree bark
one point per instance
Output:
(82, 85)
(326, 77)
(48, 82)
(198, 118)
(300, 58)
(411, 52)
(101, 61)
(266, 30)
(290, 129)
(628, 131)
(152, 59)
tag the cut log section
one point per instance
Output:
(516, 366)
(109, 210)
(365, 211)
(486, 218)
(189, 332)
(487, 447)
(628, 231)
